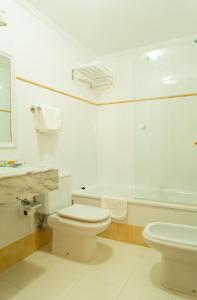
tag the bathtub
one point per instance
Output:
(141, 211)
(98, 190)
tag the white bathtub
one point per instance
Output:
(140, 211)
(155, 197)
(98, 190)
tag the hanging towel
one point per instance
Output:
(117, 207)
(37, 119)
(47, 119)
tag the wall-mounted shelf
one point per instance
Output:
(94, 74)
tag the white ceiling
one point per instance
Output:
(106, 26)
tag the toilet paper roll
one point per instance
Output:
(29, 211)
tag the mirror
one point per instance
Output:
(5, 101)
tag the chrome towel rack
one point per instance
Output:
(94, 74)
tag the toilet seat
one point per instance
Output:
(84, 213)
(79, 226)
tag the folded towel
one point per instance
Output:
(47, 119)
(117, 207)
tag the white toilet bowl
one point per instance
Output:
(178, 246)
(75, 228)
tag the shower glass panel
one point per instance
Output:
(166, 130)
(178, 151)
(147, 151)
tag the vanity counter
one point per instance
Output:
(26, 182)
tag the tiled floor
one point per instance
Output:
(119, 271)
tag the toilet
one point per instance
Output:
(74, 226)
(178, 246)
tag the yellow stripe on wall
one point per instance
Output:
(125, 233)
(51, 89)
(112, 102)
(178, 96)
(5, 110)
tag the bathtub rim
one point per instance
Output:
(140, 202)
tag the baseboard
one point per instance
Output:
(26, 246)
(23, 248)
(125, 233)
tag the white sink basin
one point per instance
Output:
(5, 170)
(9, 171)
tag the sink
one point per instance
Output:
(4, 170)
(9, 171)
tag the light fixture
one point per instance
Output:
(153, 55)
(2, 18)
(168, 80)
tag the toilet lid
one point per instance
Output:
(84, 213)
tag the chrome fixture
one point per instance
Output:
(29, 206)
(2, 19)
(34, 108)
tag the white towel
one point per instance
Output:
(116, 206)
(47, 119)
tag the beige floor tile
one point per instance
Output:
(145, 283)
(51, 262)
(177, 296)
(107, 265)
(92, 289)
(30, 281)
(119, 271)
(129, 251)
(115, 271)
(139, 285)
(142, 293)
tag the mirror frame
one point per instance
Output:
(12, 143)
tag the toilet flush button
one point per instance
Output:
(142, 126)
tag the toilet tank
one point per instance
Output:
(57, 199)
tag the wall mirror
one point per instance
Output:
(6, 98)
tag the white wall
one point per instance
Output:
(158, 160)
(41, 54)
